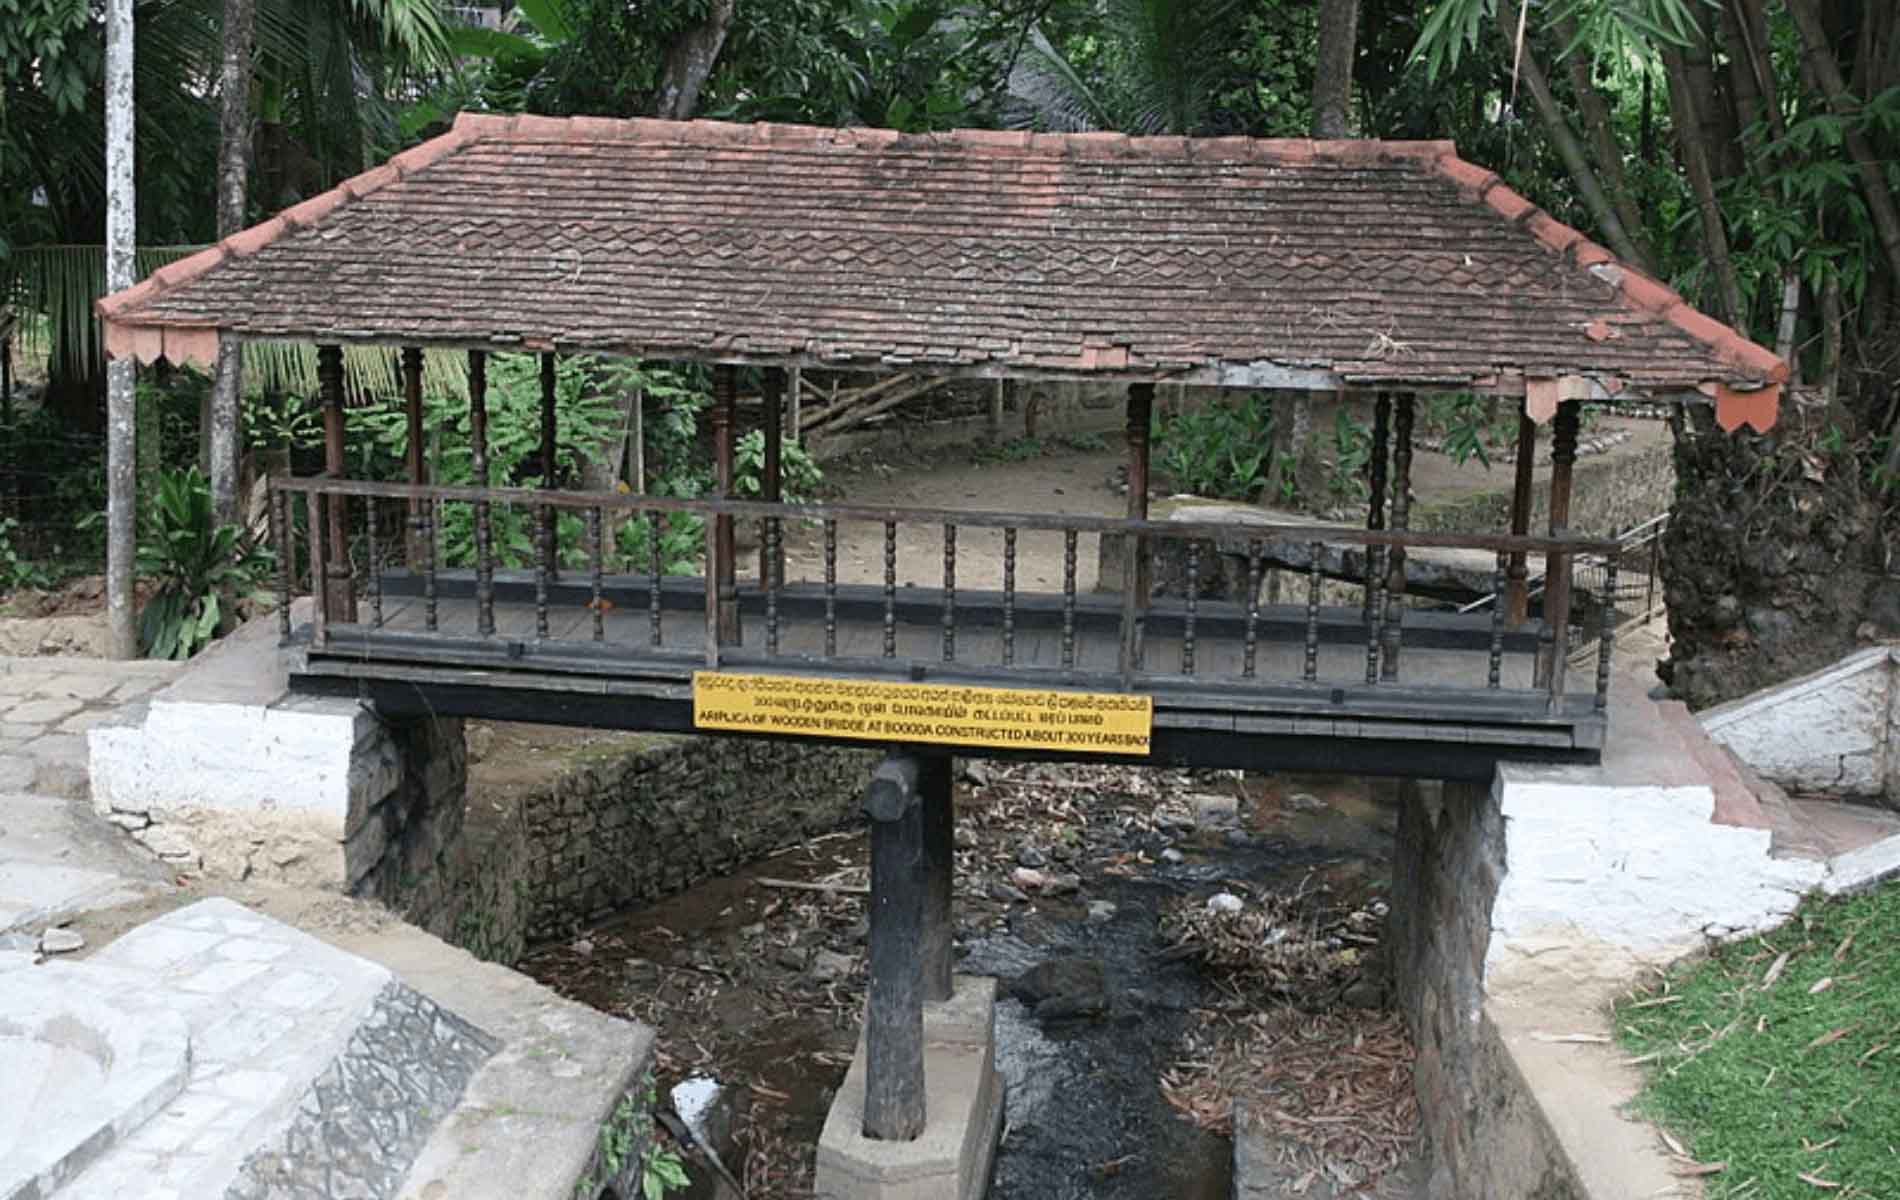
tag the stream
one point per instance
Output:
(758, 982)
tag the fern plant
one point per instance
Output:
(197, 563)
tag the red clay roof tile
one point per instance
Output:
(1220, 259)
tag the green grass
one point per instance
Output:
(1780, 1056)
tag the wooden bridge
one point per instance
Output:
(1377, 686)
(1391, 269)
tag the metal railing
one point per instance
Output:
(1178, 640)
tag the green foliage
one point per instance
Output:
(1609, 26)
(660, 1173)
(15, 571)
(799, 476)
(1352, 450)
(1221, 449)
(1773, 1055)
(1147, 67)
(1467, 425)
(198, 566)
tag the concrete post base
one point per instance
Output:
(963, 1107)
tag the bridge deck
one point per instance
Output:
(1441, 714)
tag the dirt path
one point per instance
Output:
(1061, 483)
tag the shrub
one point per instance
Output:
(1219, 450)
(197, 563)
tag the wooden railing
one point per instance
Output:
(1188, 624)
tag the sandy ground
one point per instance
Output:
(1062, 482)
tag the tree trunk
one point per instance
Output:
(1332, 71)
(121, 409)
(1568, 147)
(689, 62)
(234, 138)
(1695, 163)
(1602, 132)
(1819, 56)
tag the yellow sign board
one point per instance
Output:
(935, 713)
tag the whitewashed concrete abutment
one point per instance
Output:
(1834, 732)
(1523, 908)
(226, 772)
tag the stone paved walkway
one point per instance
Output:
(56, 857)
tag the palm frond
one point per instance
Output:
(1047, 92)
(61, 282)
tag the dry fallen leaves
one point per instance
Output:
(1338, 1085)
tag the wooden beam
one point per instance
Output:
(894, 1009)
(1517, 597)
(725, 565)
(338, 586)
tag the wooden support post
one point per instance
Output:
(771, 476)
(1141, 401)
(413, 457)
(995, 423)
(1517, 595)
(894, 1010)
(1136, 573)
(1401, 521)
(939, 872)
(794, 397)
(550, 439)
(1563, 457)
(1375, 502)
(337, 584)
(724, 567)
(478, 459)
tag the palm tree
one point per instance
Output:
(329, 77)
(1158, 71)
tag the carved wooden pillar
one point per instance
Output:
(478, 457)
(1563, 457)
(413, 458)
(1375, 502)
(1136, 571)
(339, 594)
(1401, 521)
(1517, 595)
(724, 566)
(771, 476)
(1141, 401)
(550, 456)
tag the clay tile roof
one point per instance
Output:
(1298, 263)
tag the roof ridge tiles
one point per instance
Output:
(1201, 193)
(298, 216)
(1636, 287)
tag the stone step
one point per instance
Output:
(1736, 801)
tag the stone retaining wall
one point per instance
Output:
(1608, 494)
(627, 827)
(1446, 869)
